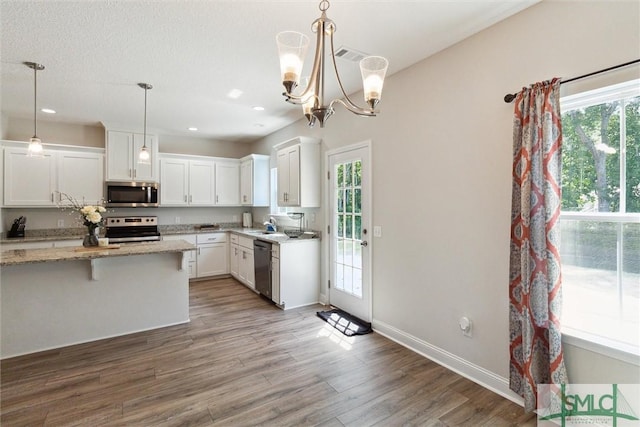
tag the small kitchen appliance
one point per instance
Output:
(132, 229)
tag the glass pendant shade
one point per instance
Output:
(35, 147)
(373, 69)
(292, 48)
(144, 157)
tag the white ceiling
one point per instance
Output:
(195, 52)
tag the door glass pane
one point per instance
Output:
(348, 196)
(632, 122)
(357, 173)
(348, 226)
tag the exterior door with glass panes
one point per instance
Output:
(349, 200)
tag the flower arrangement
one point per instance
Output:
(90, 215)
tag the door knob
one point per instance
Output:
(364, 243)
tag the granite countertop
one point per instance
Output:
(30, 256)
(44, 235)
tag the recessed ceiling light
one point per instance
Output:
(48, 111)
(258, 125)
(235, 94)
(258, 108)
(192, 129)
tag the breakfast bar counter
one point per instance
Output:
(57, 297)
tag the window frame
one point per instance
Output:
(619, 92)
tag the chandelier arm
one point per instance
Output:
(349, 104)
(355, 109)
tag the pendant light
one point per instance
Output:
(144, 157)
(35, 145)
(292, 48)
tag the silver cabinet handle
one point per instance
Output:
(185, 198)
(135, 172)
(198, 251)
(190, 198)
(131, 173)
(216, 198)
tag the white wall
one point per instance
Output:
(442, 178)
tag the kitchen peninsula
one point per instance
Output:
(62, 296)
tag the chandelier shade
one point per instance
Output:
(292, 48)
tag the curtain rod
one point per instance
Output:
(508, 98)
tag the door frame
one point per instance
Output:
(366, 144)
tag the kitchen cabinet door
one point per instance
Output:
(227, 183)
(201, 183)
(29, 181)
(246, 271)
(122, 157)
(246, 181)
(119, 156)
(174, 182)
(234, 260)
(212, 259)
(275, 280)
(81, 176)
(299, 175)
(254, 180)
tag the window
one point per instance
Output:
(600, 219)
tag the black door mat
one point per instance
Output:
(345, 322)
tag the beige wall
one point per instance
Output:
(19, 129)
(442, 174)
(202, 147)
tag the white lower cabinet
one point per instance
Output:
(212, 257)
(295, 273)
(191, 255)
(246, 272)
(234, 255)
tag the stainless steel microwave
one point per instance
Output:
(131, 194)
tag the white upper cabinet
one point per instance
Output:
(81, 176)
(186, 182)
(227, 183)
(201, 182)
(174, 182)
(36, 181)
(29, 181)
(122, 157)
(299, 173)
(254, 180)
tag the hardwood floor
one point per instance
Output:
(242, 361)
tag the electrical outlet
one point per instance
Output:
(178, 220)
(61, 223)
(235, 218)
(377, 231)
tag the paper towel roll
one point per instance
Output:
(247, 220)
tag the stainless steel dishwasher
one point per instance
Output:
(262, 266)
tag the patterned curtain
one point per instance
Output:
(535, 298)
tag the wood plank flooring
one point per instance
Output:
(243, 362)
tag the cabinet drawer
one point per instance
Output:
(234, 238)
(246, 242)
(211, 238)
(275, 251)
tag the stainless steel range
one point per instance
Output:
(131, 229)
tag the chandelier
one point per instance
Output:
(292, 48)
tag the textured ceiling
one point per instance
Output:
(195, 52)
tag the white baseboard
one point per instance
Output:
(475, 373)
